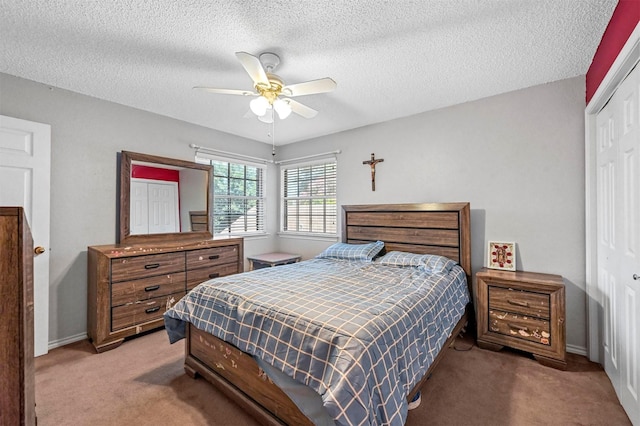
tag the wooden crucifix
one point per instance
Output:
(373, 163)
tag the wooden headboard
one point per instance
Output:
(429, 228)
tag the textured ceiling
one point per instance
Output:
(389, 58)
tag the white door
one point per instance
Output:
(25, 171)
(607, 259)
(163, 208)
(139, 208)
(618, 236)
(154, 207)
(628, 227)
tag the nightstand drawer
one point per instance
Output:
(519, 301)
(519, 326)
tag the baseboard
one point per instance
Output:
(67, 340)
(578, 350)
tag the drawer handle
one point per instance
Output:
(518, 303)
(214, 275)
(214, 257)
(518, 327)
(152, 266)
(152, 310)
(152, 288)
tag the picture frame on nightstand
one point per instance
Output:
(501, 255)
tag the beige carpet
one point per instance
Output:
(143, 383)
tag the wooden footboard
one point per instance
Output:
(237, 375)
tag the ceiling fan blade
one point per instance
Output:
(226, 91)
(301, 109)
(254, 68)
(322, 85)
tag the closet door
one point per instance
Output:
(608, 250)
(163, 208)
(139, 208)
(154, 207)
(628, 100)
(618, 230)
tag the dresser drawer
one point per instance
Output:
(520, 326)
(204, 258)
(140, 312)
(519, 301)
(196, 276)
(147, 288)
(130, 268)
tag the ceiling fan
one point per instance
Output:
(271, 92)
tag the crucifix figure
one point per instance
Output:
(373, 163)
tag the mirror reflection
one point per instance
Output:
(161, 197)
(166, 199)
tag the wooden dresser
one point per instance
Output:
(131, 286)
(525, 311)
(17, 377)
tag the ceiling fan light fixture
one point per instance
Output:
(259, 105)
(282, 108)
(267, 117)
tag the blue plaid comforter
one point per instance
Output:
(360, 334)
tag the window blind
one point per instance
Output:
(309, 198)
(238, 197)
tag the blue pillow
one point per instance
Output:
(438, 264)
(426, 262)
(362, 252)
(401, 258)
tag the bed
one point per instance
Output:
(365, 381)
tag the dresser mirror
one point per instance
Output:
(162, 199)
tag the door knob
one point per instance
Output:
(38, 250)
(636, 277)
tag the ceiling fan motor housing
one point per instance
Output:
(270, 61)
(274, 89)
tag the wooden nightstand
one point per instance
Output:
(268, 260)
(525, 311)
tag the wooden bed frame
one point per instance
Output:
(434, 228)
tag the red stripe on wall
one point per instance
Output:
(155, 173)
(623, 21)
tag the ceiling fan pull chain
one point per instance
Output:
(273, 137)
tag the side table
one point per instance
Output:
(267, 260)
(525, 311)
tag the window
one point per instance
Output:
(309, 198)
(238, 197)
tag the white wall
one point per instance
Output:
(193, 186)
(518, 158)
(86, 135)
